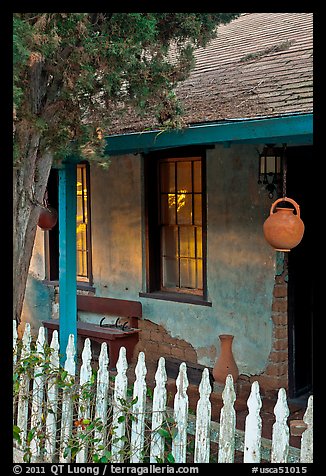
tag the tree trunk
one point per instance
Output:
(29, 185)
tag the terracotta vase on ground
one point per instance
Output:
(225, 363)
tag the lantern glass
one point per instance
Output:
(270, 165)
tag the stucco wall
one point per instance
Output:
(241, 265)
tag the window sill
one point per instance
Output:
(177, 297)
(81, 286)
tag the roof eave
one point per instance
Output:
(293, 129)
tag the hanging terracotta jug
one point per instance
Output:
(48, 218)
(225, 363)
(284, 230)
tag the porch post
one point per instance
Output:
(67, 256)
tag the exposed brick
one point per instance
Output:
(278, 356)
(164, 349)
(276, 374)
(178, 353)
(279, 279)
(280, 291)
(276, 369)
(267, 382)
(190, 355)
(280, 344)
(243, 387)
(280, 305)
(144, 324)
(151, 348)
(280, 318)
(183, 344)
(283, 381)
(280, 332)
(145, 334)
(157, 335)
(171, 340)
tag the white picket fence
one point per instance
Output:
(47, 420)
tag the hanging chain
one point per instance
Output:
(284, 163)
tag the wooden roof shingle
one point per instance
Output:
(259, 65)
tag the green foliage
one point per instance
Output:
(74, 71)
(86, 427)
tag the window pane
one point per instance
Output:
(199, 274)
(199, 242)
(84, 193)
(79, 181)
(197, 209)
(167, 209)
(81, 250)
(170, 241)
(81, 231)
(197, 176)
(184, 183)
(170, 273)
(167, 173)
(80, 217)
(187, 242)
(184, 209)
(188, 273)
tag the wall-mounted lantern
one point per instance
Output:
(270, 168)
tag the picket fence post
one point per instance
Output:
(67, 404)
(158, 412)
(280, 433)
(37, 396)
(306, 451)
(253, 427)
(23, 395)
(227, 423)
(119, 397)
(101, 403)
(14, 341)
(179, 442)
(52, 395)
(138, 411)
(203, 420)
(84, 403)
(15, 352)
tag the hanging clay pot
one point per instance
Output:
(283, 230)
(48, 218)
(225, 363)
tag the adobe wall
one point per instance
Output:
(247, 300)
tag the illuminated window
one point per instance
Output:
(176, 224)
(180, 220)
(83, 234)
(82, 224)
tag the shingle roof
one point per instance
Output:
(260, 64)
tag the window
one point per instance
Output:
(176, 224)
(83, 232)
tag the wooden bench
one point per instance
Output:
(115, 337)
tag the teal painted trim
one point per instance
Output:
(276, 129)
(67, 256)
